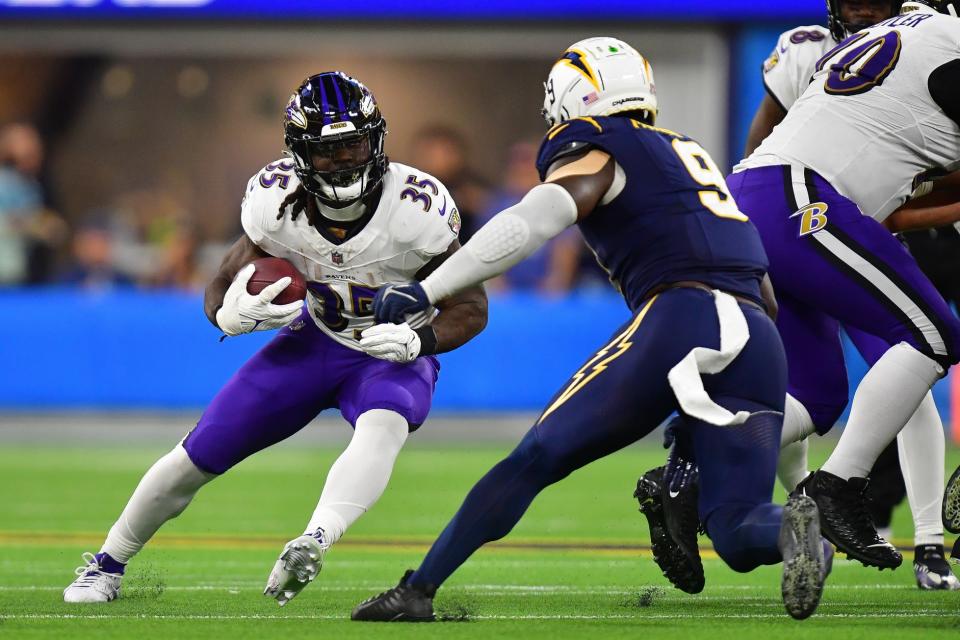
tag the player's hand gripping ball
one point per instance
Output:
(271, 270)
(391, 342)
(395, 302)
(266, 294)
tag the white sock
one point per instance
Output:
(797, 423)
(797, 427)
(886, 398)
(922, 450)
(792, 465)
(163, 493)
(359, 476)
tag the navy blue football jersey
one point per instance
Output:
(674, 219)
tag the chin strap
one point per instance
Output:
(349, 213)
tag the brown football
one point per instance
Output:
(269, 270)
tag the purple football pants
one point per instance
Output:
(293, 378)
(831, 265)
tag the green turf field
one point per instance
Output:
(575, 566)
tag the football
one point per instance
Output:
(269, 270)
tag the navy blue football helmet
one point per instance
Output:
(840, 29)
(334, 131)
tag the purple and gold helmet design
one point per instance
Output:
(335, 133)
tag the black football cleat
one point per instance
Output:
(679, 562)
(403, 603)
(845, 520)
(805, 561)
(951, 503)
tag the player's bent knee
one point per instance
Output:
(538, 458)
(825, 414)
(824, 405)
(387, 397)
(722, 526)
(200, 457)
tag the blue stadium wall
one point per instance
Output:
(65, 350)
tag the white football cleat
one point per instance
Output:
(297, 566)
(92, 583)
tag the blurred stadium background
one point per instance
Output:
(128, 129)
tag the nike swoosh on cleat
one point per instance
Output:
(443, 210)
(885, 544)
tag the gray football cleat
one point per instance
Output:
(805, 561)
(298, 565)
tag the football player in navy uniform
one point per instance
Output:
(655, 209)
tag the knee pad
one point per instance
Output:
(721, 526)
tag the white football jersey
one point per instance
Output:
(788, 70)
(415, 221)
(867, 123)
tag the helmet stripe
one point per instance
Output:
(324, 105)
(340, 102)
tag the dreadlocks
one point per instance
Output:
(302, 203)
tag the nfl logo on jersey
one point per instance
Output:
(337, 258)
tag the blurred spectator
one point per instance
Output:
(553, 267)
(442, 152)
(178, 264)
(92, 265)
(29, 231)
(156, 242)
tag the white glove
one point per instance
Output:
(392, 342)
(243, 313)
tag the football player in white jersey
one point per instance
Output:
(350, 221)
(788, 70)
(880, 114)
(786, 75)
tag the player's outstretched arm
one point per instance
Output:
(243, 252)
(462, 315)
(575, 186)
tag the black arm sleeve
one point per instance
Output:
(577, 148)
(944, 86)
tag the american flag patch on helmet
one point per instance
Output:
(590, 98)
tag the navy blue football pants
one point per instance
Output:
(619, 396)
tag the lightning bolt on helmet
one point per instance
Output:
(334, 131)
(599, 77)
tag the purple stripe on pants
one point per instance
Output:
(849, 271)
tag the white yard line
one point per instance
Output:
(922, 613)
(495, 589)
